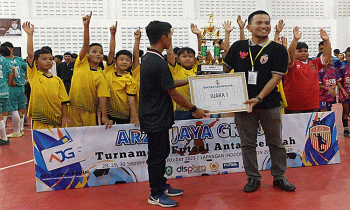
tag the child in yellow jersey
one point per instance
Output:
(122, 104)
(185, 66)
(48, 100)
(89, 89)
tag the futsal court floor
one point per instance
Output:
(318, 187)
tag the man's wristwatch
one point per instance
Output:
(193, 109)
(260, 100)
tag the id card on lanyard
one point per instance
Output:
(253, 75)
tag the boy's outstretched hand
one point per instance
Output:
(28, 28)
(86, 19)
(227, 26)
(113, 29)
(137, 33)
(195, 30)
(296, 33)
(324, 35)
(240, 22)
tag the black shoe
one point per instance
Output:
(252, 185)
(346, 133)
(283, 184)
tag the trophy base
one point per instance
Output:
(210, 69)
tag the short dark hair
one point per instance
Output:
(347, 50)
(141, 53)
(7, 44)
(156, 29)
(185, 49)
(321, 43)
(176, 49)
(302, 45)
(4, 51)
(37, 53)
(74, 55)
(336, 51)
(123, 52)
(94, 44)
(47, 48)
(59, 57)
(67, 53)
(258, 12)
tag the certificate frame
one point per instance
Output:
(219, 93)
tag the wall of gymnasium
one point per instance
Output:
(58, 23)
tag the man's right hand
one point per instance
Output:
(200, 113)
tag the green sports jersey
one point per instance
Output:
(5, 71)
(20, 69)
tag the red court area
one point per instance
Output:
(318, 187)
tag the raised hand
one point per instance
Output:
(324, 35)
(280, 26)
(241, 24)
(137, 33)
(28, 28)
(113, 28)
(195, 30)
(284, 42)
(296, 33)
(86, 19)
(227, 26)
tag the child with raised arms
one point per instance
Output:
(122, 104)
(89, 89)
(48, 100)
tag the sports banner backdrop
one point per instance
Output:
(79, 157)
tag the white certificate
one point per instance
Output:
(219, 93)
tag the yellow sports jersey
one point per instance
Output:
(46, 97)
(180, 73)
(121, 86)
(136, 75)
(87, 86)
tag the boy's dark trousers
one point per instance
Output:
(158, 151)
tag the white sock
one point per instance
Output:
(3, 135)
(21, 123)
(16, 122)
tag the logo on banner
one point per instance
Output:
(321, 138)
(62, 155)
(169, 170)
(191, 169)
(214, 166)
(230, 165)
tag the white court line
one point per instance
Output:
(16, 164)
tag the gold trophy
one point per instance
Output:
(210, 33)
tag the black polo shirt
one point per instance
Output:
(272, 60)
(156, 112)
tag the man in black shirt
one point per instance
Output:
(65, 70)
(156, 112)
(264, 63)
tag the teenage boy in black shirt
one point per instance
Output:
(156, 112)
(264, 63)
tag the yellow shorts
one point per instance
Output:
(81, 117)
(39, 125)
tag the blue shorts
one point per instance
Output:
(17, 98)
(4, 102)
(325, 105)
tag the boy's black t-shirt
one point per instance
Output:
(272, 59)
(156, 112)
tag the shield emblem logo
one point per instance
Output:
(321, 138)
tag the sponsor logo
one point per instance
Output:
(313, 67)
(62, 155)
(214, 166)
(264, 58)
(230, 165)
(169, 170)
(243, 55)
(191, 169)
(321, 138)
(217, 82)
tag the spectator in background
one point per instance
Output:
(58, 59)
(74, 56)
(65, 70)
